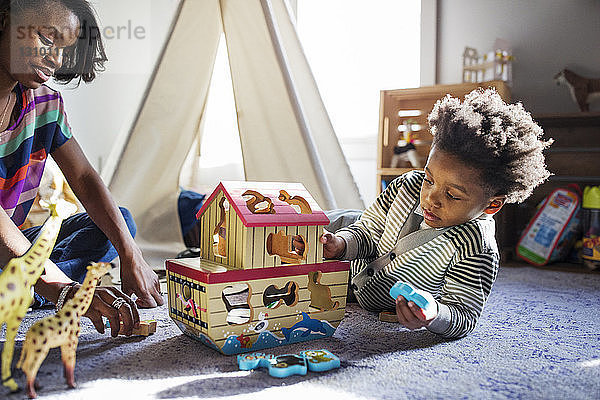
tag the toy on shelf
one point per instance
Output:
(60, 330)
(19, 275)
(405, 150)
(583, 90)
(257, 290)
(410, 294)
(493, 66)
(290, 364)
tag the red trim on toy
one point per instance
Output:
(253, 274)
(285, 215)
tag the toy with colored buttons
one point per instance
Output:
(409, 293)
(290, 364)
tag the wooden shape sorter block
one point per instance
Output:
(247, 225)
(238, 311)
(261, 280)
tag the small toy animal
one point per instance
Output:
(320, 295)
(17, 278)
(61, 329)
(583, 90)
(282, 245)
(258, 204)
(295, 201)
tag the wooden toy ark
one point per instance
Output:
(251, 288)
(61, 329)
(18, 276)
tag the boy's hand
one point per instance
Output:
(333, 246)
(137, 277)
(414, 317)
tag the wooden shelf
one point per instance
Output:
(400, 105)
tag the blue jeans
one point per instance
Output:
(79, 243)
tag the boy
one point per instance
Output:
(434, 228)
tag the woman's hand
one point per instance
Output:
(101, 305)
(137, 277)
(414, 317)
(333, 246)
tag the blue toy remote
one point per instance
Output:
(409, 293)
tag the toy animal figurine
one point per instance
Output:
(61, 329)
(282, 245)
(18, 276)
(583, 90)
(258, 204)
(295, 201)
(320, 295)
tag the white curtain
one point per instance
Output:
(284, 129)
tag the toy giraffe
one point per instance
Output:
(18, 276)
(61, 329)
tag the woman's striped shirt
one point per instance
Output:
(40, 128)
(458, 267)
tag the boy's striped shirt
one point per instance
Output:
(457, 267)
(41, 127)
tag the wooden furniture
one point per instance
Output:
(572, 158)
(399, 106)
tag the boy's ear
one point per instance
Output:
(495, 205)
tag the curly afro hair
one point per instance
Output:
(500, 140)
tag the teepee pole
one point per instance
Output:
(297, 106)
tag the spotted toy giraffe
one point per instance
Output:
(61, 329)
(18, 276)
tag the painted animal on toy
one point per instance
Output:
(18, 276)
(297, 202)
(61, 329)
(583, 90)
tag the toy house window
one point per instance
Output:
(283, 245)
(220, 231)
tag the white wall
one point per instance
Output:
(546, 35)
(100, 111)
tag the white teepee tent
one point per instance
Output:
(285, 132)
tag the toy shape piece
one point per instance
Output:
(250, 361)
(410, 294)
(320, 295)
(273, 297)
(237, 303)
(321, 360)
(19, 275)
(258, 204)
(281, 244)
(295, 201)
(287, 365)
(61, 329)
(220, 233)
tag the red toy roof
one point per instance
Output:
(285, 214)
